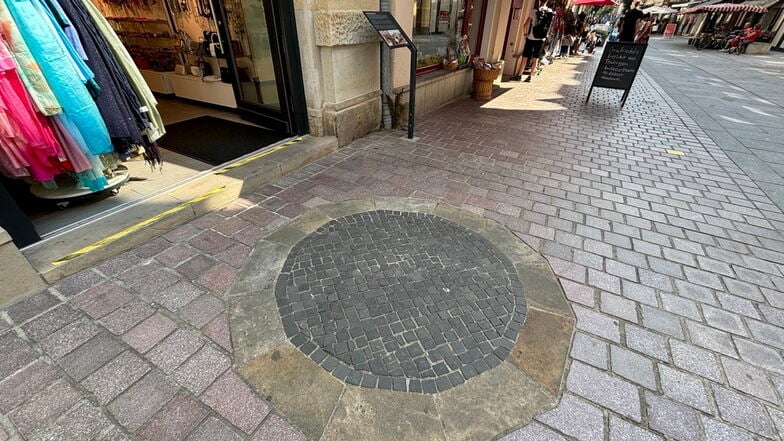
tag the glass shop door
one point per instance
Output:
(259, 40)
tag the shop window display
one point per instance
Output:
(439, 27)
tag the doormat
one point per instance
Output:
(216, 140)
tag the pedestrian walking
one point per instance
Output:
(538, 26)
(630, 23)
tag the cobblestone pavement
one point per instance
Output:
(673, 266)
(401, 296)
(738, 101)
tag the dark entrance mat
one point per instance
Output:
(216, 140)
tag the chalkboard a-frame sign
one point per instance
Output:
(618, 67)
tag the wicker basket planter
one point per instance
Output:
(482, 88)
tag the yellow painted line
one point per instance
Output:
(675, 152)
(242, 162)
(133, 228)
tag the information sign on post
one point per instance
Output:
(393, 35)
(618, 67)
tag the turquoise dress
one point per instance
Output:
(67, 74)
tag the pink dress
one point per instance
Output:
(27, 140)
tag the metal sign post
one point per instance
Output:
(393, 35)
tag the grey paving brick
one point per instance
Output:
(759, 355)
(533, 432)
(767, 334)
(202, 369)
(152, 286)
(597, 324)
(647, 342)
(640, 293)
(711, 338)
(176, 296)
(44, 407)
(696, 360)
(576, 418)
(601, 388)
(116, 376)
(102, 299)
(774, 316)
(18, 388)
(738, 305)
(724, 320)
(742, 411)
(632, 366)
(235, 401)
(619, 307)
(778, 419)
(211, 242)
(142, 400)
(579, 293)
(218, 279)
(176, 255)
(69, 337)
(31, 306)
(685, 388)
(621, 430)
(674, 420)
(90, 356)
(169, 354)
(213, 430)
(175, 421)
(127, 316)
(16, 354)
(276, 429)
(703, 278)
(749, 379)
(148, 333)
(680, 306)
(197, 266)
(78, 282)
(696, 292)
(661, 321)
(590, 350)
(604, 281)
(202, 310)
(743, 289)
(218, 331)
(51, 321)
(718, 431)
(85, 421)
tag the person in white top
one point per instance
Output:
(538, 25)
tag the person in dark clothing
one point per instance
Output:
(630, 23)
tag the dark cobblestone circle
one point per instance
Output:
(400, 301)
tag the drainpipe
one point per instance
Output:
(386, 76)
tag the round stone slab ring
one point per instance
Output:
(402, 305)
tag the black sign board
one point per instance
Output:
(388, 29)
(618, 67)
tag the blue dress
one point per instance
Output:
(65, 71)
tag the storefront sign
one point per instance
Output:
(669, 30)
(618, 67)
(393, 35)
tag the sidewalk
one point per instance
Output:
(673, 265)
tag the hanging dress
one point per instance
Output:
(28, 68)
(143, 92)
(118, 102)
(26, 130)
(68, 77)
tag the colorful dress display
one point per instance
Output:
(70, 105)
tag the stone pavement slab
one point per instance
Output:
(675, 260)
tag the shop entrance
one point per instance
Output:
(227, 79)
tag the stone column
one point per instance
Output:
(341, 67)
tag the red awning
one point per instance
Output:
(727, 7)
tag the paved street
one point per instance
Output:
(673, 265)
(737, 101)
